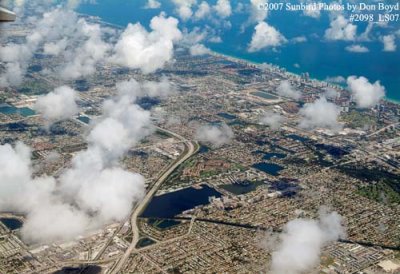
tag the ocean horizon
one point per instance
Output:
(320, 58)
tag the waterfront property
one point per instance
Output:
(174, 203)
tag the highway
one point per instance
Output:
(190, 149)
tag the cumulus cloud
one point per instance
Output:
(265, 36)
(272, 119)
(63, 222)
(336, 79)
(36, 198)
(357, 49)
(83, 60)
(94, 190)
(57, 105)
(223, 8)
(14, 173)
(55, 48)
(301, 242)
(215, 39)
(313, 13)
(203, 11)
(287, 90)
(320, 114)
(82, 46)
(51, 27)
(148, 51)
(389, 43)
(73, 4)
(184, 8)
(133, 89)
(365, 94)
(258, 13)
(13, 75)
(199, 49)
(341, 29)
(217, 135)
(257, 10)
(153, 4)
(330, 93)
(195, 36)
(299, 39)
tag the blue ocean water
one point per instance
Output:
(318, 57)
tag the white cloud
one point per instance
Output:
(82, 60)
(51, 27)
(389, 43)
(223, 8)
(36, 198)
(14, 173)
(73, 4)
(365, 94)
(199, 49)
(299, 39)
(336, 79)
(64, 222)
(320, 114)
(110, 134)
(341, 29)
(133, 90)
(203, 11)
(92, 192)
(13, 75)
(57, 105)
(357, 49)
(272, 119)
(139, 49)
(109, 193)
(193, 37)
(217, 135)
(184, 8)
(215, 39)
(82, 46)
(153, 4)
(265, 36)
(301, 242)
(287, 90)
(365, 36)
(313, 13)
(55, 48)
(258, 13)
(330, 93)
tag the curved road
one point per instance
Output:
(190, 149)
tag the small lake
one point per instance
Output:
(244, 188)
(171, 204)
(143, 242)
(9, 110)
(11, 223)
(334, 151)
(270, 155)
(297, 138)
(84, 119)
(90, 269)
(269, 168)
(227, 116)
(203, 149)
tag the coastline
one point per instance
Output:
(244, 60)
(240, 59)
